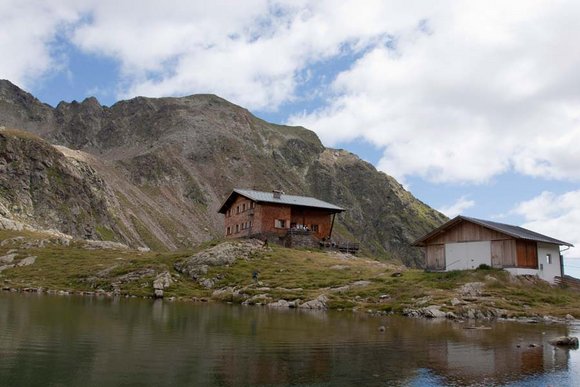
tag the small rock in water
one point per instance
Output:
(382, 328)
(158, 293)
(569, 317)
(564, 341)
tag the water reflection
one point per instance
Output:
(88, 341)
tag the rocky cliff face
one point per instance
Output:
(164, 166)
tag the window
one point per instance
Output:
(228, 231)
(237, 209)
(252, 204)
(243, 207)
(280, 223)
(314, 227)
(237, 228)
(549, 259)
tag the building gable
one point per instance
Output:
(465, 229)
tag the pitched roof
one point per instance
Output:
(268, 197)
(513, 231)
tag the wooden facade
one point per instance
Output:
(467, 232)
(503, 253)
(246, 217)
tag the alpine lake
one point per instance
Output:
(92, 341)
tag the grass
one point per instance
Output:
(284, 274)
(106, 234)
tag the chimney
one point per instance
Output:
(277, 194)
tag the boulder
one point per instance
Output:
(564, 341)
(221, 255)
(162, 281)
(27, 261)
(8, 258)
(259, 299)
(2, 268)
(207, 283)
(455, 302)
(279, 304)
(319, 303)
(433, 311)
(471, 289)
(158, 293)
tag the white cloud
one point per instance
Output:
(27, 37)
(453, 91)
(462, 204)
(485, 88)
(554, 215)
(251, 52)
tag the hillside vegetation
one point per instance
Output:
(222, 271)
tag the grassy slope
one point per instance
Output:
(289, 274)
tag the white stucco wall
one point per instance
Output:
(521, 271)
(467, 255)
(547, 271)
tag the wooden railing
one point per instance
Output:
(344, 247)
(568, 281)
(299, 231)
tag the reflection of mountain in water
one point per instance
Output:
(83, 341)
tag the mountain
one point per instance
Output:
(153, 172)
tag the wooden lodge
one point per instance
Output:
(287, 219)
(466, 243)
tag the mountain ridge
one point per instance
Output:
(168, 163)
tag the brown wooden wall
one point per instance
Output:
(262, 218)
(311, 216)
(503, 253)
(467, 232)
(267, 213)
(244, 217)
(435, 257)
(527, 254)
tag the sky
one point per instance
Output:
(472, 105)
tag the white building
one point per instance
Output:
(466, 243)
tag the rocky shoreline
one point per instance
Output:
(320, 304)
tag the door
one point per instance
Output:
(467, 255)
(527, 254)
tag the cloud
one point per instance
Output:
(28, 38)
(451, 91)
(251, 52)
(458, 207)
(474, 90)
(555, 215)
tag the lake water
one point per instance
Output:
(83, 341)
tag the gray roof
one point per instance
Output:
(513, 231)
(268, 197)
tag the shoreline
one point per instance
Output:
(529, 319)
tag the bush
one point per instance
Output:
(483, 266)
